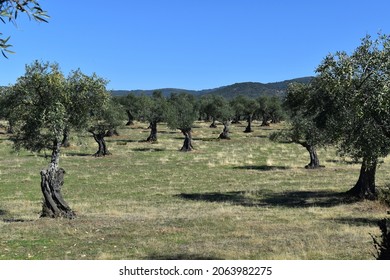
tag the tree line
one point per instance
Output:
(181, 110)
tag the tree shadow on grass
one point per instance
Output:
(358, 221)
(181, 257)
(291, 199)
(262, 167)
(342, 161)
(121, 141)
(168, 132)
(11, 220)
(14, 220)
(76, 154)
(209, 139)
(148, 150)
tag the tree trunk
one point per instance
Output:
(225, 132)
(248, 129)
(213, 125)
(236, 119)
(314, 160)
(153, 132)
(65, 140)
(265, 121)
(102, 147)
(187, 146)
(130, 118)
(365, 186)
(111, 132)
(10, 128)
(52, 180)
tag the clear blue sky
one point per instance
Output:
(191, 44)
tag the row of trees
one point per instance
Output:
(180, 111)
(44, 106)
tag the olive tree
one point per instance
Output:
(353, 97)
(153, 111)
(131, 104)
(7, 104)
(270, 109)
(39, 119)
(250, 108)
(222, 112)
(46, 105)
(181, 114)
(92, 108)
(238, 108)
(102, 120)
(301, 128)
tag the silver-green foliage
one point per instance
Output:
(9, 11)
(354, 99)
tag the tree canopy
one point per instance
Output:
(353, 99)
(45, 105)
(301, 126)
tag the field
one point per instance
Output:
(247, 198)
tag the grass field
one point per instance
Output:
(247, 198)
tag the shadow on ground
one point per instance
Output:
(209, 139)
(148, 150)
(290, 199)
(76, 154)
(358, 221)
(181, 257)
(262, 167)
(12, 220)
(121, 141)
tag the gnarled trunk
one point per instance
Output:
(365, 186)
(213, 125)
(130, 118)
(236, 119)
(187, 146)
(225, 132)
(265, 122)
(314, 160)
(102, 147)
(153, 132)
(112, 132)
(10, 128)
(52, 180)
(248, 129)
(65, 140)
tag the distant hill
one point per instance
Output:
(253, 90)
(250, 89)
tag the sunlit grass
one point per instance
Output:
(247, 198)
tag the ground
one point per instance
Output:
(247, 198)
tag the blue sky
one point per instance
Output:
(191, 44)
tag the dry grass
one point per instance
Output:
(246, 198)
